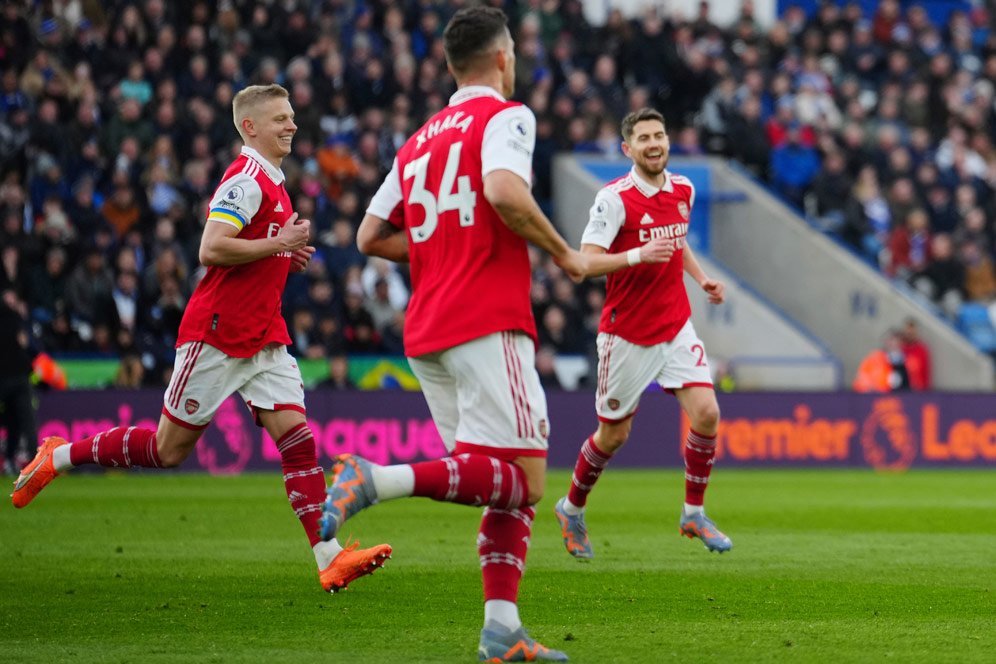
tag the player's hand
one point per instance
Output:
(658, 250)
(574, 263)
(715, 290)
(295, 233)
(300, 258)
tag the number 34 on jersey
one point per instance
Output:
(460, 197)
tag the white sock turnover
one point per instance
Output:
(393, 481)
(503, 612)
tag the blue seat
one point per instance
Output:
(975, 324)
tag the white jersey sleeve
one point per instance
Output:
(508, 143)
(236, 201)
(605, 218)
(388, 195)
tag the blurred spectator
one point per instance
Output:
(360, 334)
(380, 307)
(16, 408)
(980, 275)
(303, 334)
(909, 246)
(884, 369)
(338, 374)
(867, 216)
(793, 166)
(130, 374)
(377, 270)
(556, 333)
(89, 287)
(126, 301)
(47, 285)
(943, 279)
(831, 189)
(121, 210)
(546, 368)
(329, 335)
(917, 356)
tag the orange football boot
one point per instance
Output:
(352, 563)
(37, 474)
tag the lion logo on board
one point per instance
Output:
(886, 436)
(191, 406)
(683, 210)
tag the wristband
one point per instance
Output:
(633, 257)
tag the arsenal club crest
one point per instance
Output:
(683, 210)
(191, 406)
(613, 404)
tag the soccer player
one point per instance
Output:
(233, 338)
(645, 333)
(457, 204)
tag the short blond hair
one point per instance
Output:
(249, 98)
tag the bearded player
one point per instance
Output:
(233, 338)
(645, 333)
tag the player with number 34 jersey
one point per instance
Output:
(470, 273)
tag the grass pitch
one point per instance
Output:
(827, 566)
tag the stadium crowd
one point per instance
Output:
(115, 126)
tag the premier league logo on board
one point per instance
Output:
(683, 210)
(886, 436)
(228, 443)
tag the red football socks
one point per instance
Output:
(590, 464)
(304, 479)
(699, 453)
(472, 479)
(502, 545)
(119, 447)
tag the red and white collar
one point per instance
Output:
(473, 91)
(275, 173)
(648, 189)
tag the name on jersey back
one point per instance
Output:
(456, 121)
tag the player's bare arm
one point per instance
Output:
(379, 237)
(220, 246)
(600, 262)
(716, 290)
(509, 195)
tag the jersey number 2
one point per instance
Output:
(462, 199)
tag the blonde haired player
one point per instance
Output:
(645, 333)
(233, 339)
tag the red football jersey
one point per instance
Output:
(470, 273)
(645, 304)
(236, 308)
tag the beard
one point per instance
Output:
(653, 170)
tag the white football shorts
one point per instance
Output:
(485, 396)
(203, 377)
(626, 369)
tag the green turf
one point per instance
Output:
(827, 566)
